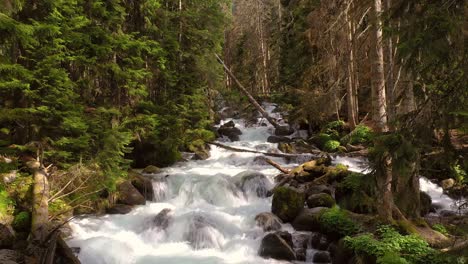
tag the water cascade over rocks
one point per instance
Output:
(204, 211)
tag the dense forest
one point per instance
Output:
(96, 94)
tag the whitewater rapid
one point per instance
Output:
(207, 209)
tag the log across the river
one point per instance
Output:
(278, 155)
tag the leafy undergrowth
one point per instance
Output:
(388, 246)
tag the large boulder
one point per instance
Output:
(316, 189)
(278, 246)
(119, 209)
(6, 236)
(144, 185)
(8, 256)
(287, 203)
(284, 130)
(268, 221)
(278, 139)
(320, 200)
(229, 130)
(308, 219)
(129, 195)
(252, 182)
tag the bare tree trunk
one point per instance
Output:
(378, 78)
(384, 184)
(248, 95)
(390, 85)
(352, 118)
(408, 104)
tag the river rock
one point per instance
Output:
(308, 219)
(119, 209)
(129, 195)
(151, 170)
(163, 218)
(321, 257)
(285, 130)
(316, 189)
(278, 246)
(8, 256)
(6, 236)
(320, 200)
(252, 182)
(448, 183)
(229, 130)
(278, 139)
(268, 221)
(286, 148)
(202, 233)
(144, 186)
(319, 241)
(287, 203)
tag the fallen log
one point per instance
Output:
(278, 155)
(248, 95)
(276, 165)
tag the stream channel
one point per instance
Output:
(211, 216)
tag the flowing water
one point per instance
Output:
(210, 212)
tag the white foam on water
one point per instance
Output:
(211, 220)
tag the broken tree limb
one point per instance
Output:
(278, 155)
(249, 96)
(276, 165)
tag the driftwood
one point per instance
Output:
(249, 96)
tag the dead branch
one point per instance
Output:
(276, 165)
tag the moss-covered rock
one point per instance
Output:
(336, 223)
(277, 245)
(151, 169)
(286, 147)
(129, 195)
(287, 203)
(308, 219)
(22, 222)
(320, 200)
(360, 135)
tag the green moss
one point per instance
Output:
(340, 166)
(321, 139)
(360, 135)
(331, 145)
(22, 222)
(6, 203)
(335, 125)
(59, 206)
(336, 222)
(287, 203)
